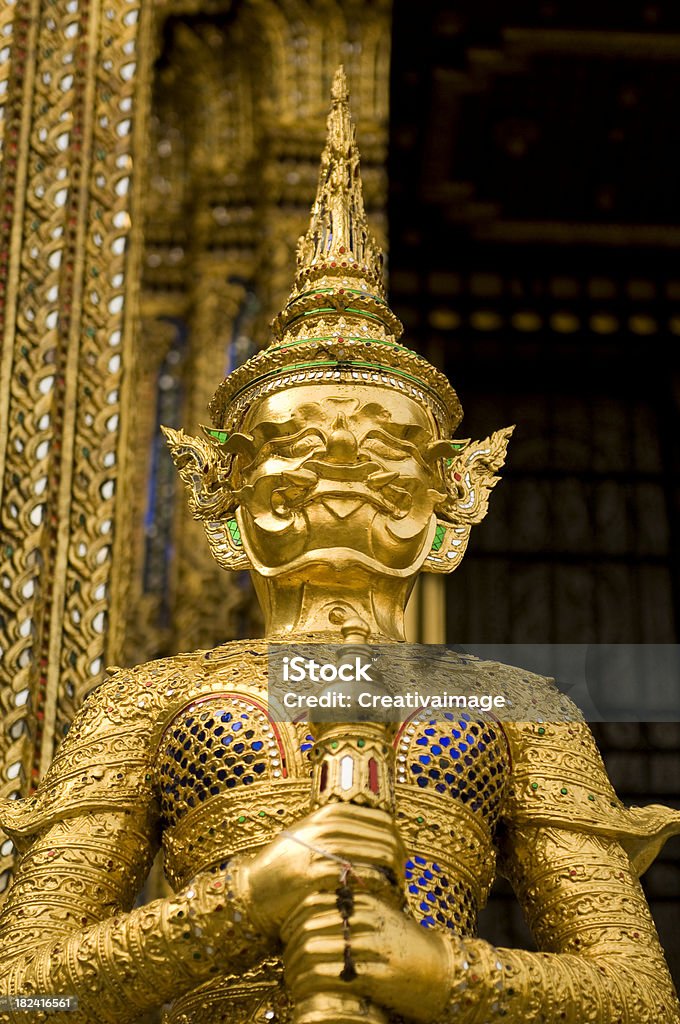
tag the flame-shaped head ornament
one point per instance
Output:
(335, 442)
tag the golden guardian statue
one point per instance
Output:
(330, 472)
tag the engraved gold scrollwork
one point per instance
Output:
(206, 471)
(73, 103)
(37, 388)
(96, 427)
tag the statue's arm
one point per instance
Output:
(601, 961)
(67, 927)
(87, 837)
(573, 854)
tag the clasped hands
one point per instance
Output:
(290, 887)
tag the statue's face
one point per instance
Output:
(338, 474)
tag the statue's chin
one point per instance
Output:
(336, 558)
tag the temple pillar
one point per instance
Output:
(75, 106)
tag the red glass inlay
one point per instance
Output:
(373, 783)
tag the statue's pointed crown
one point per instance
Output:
(336, 324)
(339, 254)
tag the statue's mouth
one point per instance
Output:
(362, 469)
(341, 502)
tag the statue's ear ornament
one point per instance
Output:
(206, 466)
(469, 475)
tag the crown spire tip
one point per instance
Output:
(338, 259)
(339, 89)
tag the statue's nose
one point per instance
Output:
(342, 444)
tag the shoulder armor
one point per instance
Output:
(102, 763)
(105, 761)
(558, 779)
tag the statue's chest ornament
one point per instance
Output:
(456, 757)
(229, 777)
(217, 744)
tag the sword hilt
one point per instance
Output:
(352, 763)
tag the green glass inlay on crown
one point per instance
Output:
(331, 309)
(439, 535)
(363, 312)
(332, 291)
(346, 337)
(218, 435)
(234, 531)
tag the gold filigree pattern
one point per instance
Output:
(35, 378)
(602, 962)
(564, 866)
(98, 439)
(232, 824)
(133, 961)
(70, 255)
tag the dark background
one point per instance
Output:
(534, 240)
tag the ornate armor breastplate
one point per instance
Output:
(230, 778)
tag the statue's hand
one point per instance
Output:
(308, 860)
(399, 964)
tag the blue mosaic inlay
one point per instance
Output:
(458, 757)
(307, 744)
(437, 900)
(201, 759)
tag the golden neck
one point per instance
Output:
(320, 601)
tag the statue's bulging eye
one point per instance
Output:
(384, 450)
(305, 446)
(292, 447)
